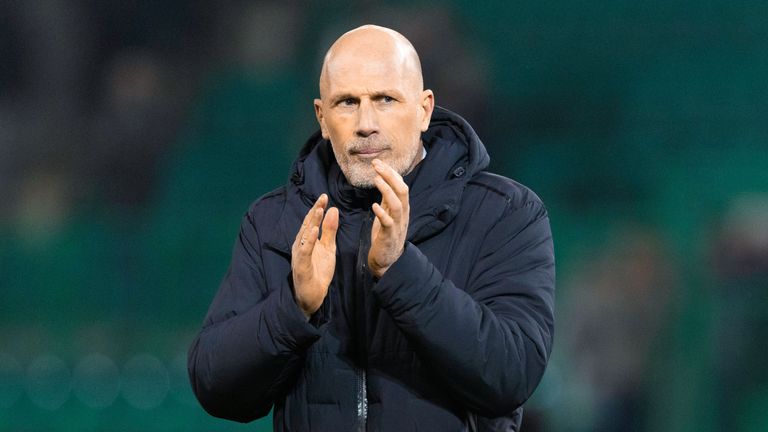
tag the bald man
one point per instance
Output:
(392, 284)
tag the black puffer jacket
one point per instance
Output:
(454, 337)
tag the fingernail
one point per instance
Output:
(376, 162)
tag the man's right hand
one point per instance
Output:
(313, 260)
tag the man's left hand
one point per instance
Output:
(391, 223)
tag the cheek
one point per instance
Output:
(404, 125)
(339, 128)
(408, 131)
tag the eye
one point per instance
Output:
(347, 102)
(387, 99)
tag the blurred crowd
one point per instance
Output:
(134, 134)
(93, 93)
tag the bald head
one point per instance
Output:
(369, 47)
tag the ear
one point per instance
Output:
(426, 106)
(320, 118)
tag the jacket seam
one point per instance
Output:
(507, 196)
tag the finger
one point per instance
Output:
(317, 218)
(384, 218)
(301, 236)
(389, 200)
(330, 227)
(302, 251)
(308, 242)
(392, 177)
(322, 201)
(305, 222)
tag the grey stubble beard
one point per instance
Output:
(360, 174)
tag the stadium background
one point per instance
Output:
(134, 134)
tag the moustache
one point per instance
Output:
(367, 145)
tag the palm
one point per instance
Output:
(390, 225)
(313, 260)
(323, 264)
(376, 243)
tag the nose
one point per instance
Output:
(367, 120)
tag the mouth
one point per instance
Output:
(368, 153)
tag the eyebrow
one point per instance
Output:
(387, 92)
(338, 98)
(375, 95)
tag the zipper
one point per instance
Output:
(361, 309)
(362, 400)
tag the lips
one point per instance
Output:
(368, 151)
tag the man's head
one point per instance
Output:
(373, 103)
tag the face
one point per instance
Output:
(373, 107)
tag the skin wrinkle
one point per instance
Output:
(372, 100)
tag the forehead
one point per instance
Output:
(360, 74)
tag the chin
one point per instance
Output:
(362, 183)
(364, 186)
(360, 177)
(361, 174)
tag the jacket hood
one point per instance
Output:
(454, 154)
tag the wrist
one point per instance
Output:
(378, 270)
(307, 309)
(305, 306)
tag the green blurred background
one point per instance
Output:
(134, 135)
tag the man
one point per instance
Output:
(392, 284)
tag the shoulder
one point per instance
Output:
(508, 209)
(267, 207)
(498, 190)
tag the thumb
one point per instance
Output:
(330, 227)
